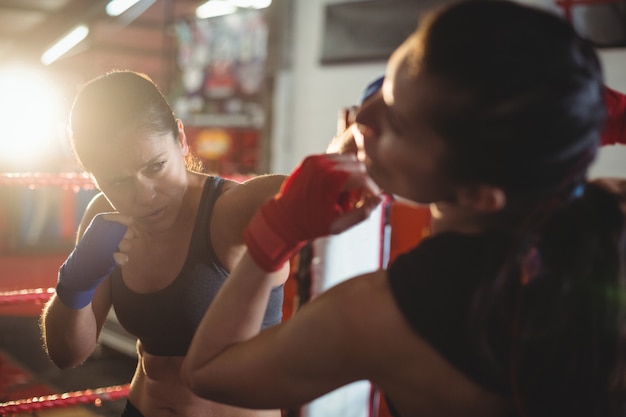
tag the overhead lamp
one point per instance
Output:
(214, 8)
(251, 4)
(67, 42)
(117, 7)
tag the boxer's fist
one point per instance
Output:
(319, 198)
(90, 262)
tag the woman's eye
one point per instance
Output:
(156, 167)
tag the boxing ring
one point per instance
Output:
(321, 264)
(37, 295)
(72, 183)
(68, 399)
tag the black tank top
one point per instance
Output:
(166, 320)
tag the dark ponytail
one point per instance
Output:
(567, 318)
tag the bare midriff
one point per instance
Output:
(157, 391)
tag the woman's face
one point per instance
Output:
(143, 176)
(403, 154)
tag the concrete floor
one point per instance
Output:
(20, 340)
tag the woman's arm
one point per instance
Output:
(324, 346)
(70, 335)
(309, 205)
(232, 212)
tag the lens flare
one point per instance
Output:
(30, 115)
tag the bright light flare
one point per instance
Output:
(214, 8)
(117, 7)
(30, 115)
(253, 4)
(56, 51)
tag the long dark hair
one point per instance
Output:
(524, 112)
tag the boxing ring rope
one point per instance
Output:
(67, 181)
(37, 295)
(32, 180)
(68, 399)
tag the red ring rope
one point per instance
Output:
(95, 396)
(26, 296)
(68, 399)
(32, 180)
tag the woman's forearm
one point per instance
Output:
(236, 314)
(70, 336)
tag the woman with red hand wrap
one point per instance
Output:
(491, 113)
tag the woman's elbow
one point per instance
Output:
(66, 355)
(184, 372)
(63, 363)
(193, 377)
(67, 346)
(61, 357)
(188, 376)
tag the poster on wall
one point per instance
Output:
(230, 152)
(221, 71)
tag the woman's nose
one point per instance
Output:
(144, 190)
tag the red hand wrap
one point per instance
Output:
(305, 208)
(615, 128)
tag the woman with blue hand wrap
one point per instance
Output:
(156, 244)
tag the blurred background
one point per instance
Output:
(258, 84)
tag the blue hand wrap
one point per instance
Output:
(90, 262)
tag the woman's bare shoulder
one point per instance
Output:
(260, 187)
(233, 210)
(240, 200)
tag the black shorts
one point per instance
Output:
(131, 411)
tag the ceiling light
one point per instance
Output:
(254, 4)
(64, 44)
(214, 8)
(117, 7)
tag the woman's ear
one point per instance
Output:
(483, 198)
(182, 138)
